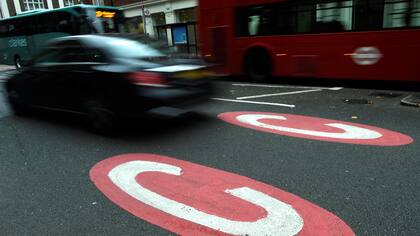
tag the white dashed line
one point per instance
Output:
(253, 102)
(284, 86)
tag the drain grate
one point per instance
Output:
(358, 101)
(385, 95)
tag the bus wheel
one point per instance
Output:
(18, 63)
(258, 65)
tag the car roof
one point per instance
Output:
(90, 40)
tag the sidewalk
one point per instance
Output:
(6, 68)
(6, 72)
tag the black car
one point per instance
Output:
(106, 78)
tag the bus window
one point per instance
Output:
(66, 23)
(305, 14)
(334, 16)
(368, 14)
(255, 20)
(105, 21)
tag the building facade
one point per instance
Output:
(173, 21)
(9, 8)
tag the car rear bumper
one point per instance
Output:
(154, 97)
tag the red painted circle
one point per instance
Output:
(307, 124)
(203, 188)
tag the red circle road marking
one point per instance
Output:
(190, 199)
(316, 128)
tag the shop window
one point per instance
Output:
(158, 18)
(135, 25)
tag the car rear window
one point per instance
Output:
(131, 49)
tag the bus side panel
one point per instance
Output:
(39, 41)
(216, 37)
(13, 47)
(385, 55)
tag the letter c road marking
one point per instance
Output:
(316, 128)
(281, 218)
(150, 187)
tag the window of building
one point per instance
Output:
(135, 25)
(185, 15)
(33, 4)
(68, 3)
(158, 18)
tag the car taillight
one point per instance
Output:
(148, 79)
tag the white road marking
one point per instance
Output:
(280, 94)
(350, 132)
(253, 102)
(281, 218)
(285, 86)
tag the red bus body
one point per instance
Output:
(322, 55)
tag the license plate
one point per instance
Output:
(193, 74)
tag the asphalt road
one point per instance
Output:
(45, 161)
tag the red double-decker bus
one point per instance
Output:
(345, 39)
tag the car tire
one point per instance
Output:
(258, 65)
(100, 118)
(18, 105)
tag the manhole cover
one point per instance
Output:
(385, 95)
(357, 101)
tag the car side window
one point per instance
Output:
(83, 54)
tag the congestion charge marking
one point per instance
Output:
(191, 199)
(316, 128)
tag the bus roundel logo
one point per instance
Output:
(191, 199)
(366, 56)
(314, 128)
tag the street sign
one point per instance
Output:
(191, 199)
(316, 128)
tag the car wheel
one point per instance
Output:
(100, 119)
(18, 63)
(258, 65)
(16, 102)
